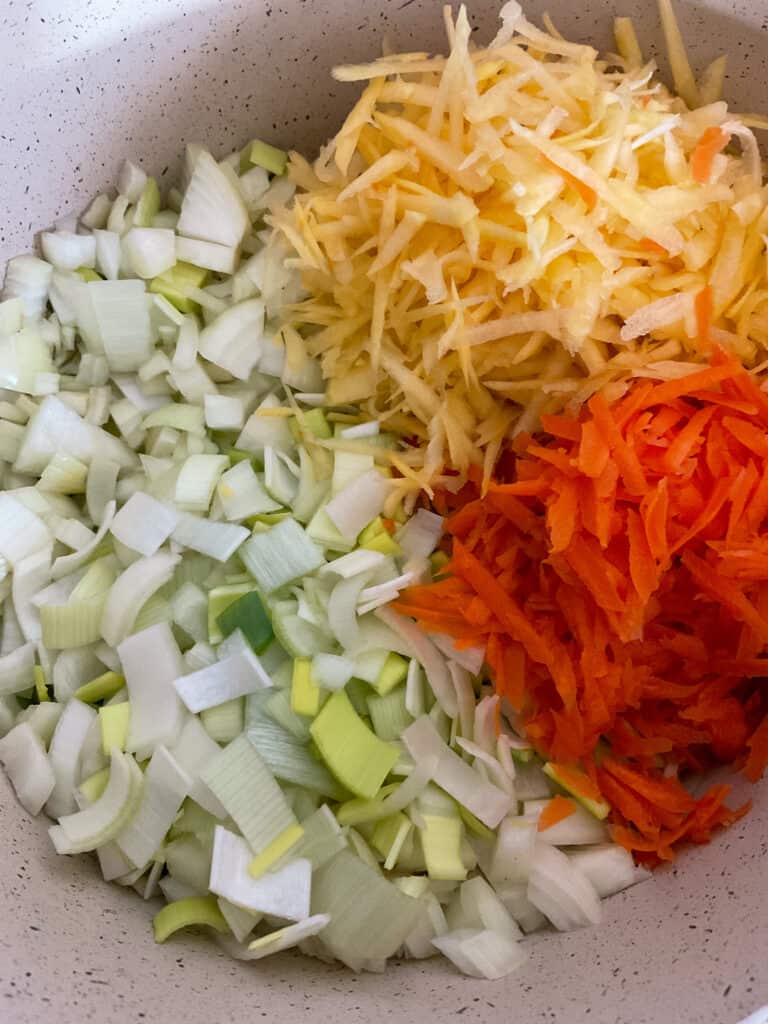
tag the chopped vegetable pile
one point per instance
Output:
(239, 659)
(619, 582)
(504, 231)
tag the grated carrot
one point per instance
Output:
(616, 575)
(557, 809)
(713, 141)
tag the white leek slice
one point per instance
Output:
(426, 653)
(332, 671)
(280, 555)
(194, 750)
(234, 676)
(421, 534)
(284, 938)
(132, 589)
(197, 481)
(166, 784)
(106, 817)
(65, 755)
(57, 428)
(360, 501)
(241, 922)
(370, 917)
(281, 893)
(242, 782)
(486, 801)
(217, 540)
(242, 493)
(151, 661)
(23, 756)
(262, 429)
(144, 524)
(212, 210)
(481, 953)
(354, 563)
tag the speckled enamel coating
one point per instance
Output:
(84, 83)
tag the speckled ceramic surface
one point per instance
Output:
(84, 83)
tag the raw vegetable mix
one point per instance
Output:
(382, 541)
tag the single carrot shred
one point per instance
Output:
(617, 576)
(587, 194)
(713, 141)
(557, 809)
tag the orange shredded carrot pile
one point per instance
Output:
(557, 809)
(617, 574)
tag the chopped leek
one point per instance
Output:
(247, 614)
(280, 555)
(187, 913)
(114, 720)
(244, 785)
(355, 755)
(22, 754)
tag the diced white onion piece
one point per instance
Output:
(131, 590)
(213, 209)
(131, 181)
(476, 905)
(166, 784)
(211, 255)
(223, 412)
(486, 801)
(106, 817)
(149, 251)
(281, 893)
(561, 891)
(513, 851)
(122, 317)
(233, 676)
(17, 670)
(66, 564)
(67, 251)
(57, 428)
(342, 610)
(28, 278)
(609, 867)
(24, 357)
(23, 756)
(144, 524)
(22, 533)
(217, 540)
(151, 661)
(108, 254)
(481, 953)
